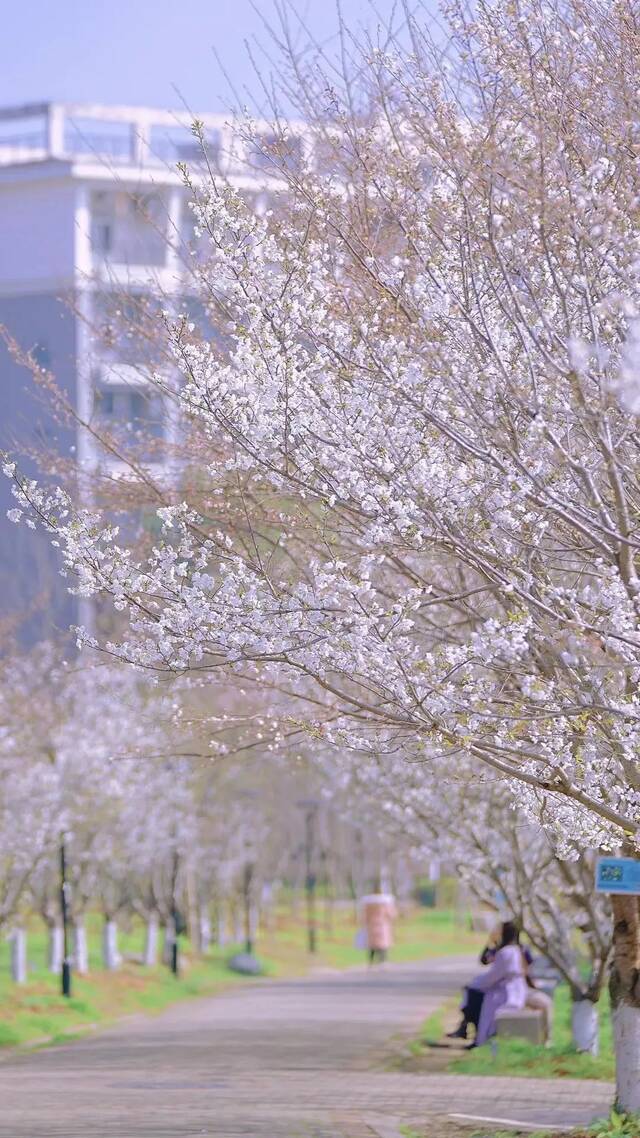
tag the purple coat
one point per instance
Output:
(504, 985)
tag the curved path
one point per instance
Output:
(296, 1059)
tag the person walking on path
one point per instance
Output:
(379, 912)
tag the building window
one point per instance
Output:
(131, 410)
(102, 237)
(105, 402)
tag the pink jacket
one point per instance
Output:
(379, 912)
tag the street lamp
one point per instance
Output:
(175, 923)
(310, 807)
(247, 882)
(65, 898)
(249, 796)
(176, 919)
(65, 892)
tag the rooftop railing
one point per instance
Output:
(136, 136)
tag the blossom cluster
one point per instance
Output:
(423, 404)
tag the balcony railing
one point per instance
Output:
(100, 145)
(134, 136)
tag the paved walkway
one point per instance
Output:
(301, 1059)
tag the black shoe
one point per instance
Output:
(470, 1046)
(460, 1033)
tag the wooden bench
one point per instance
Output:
(520, 1023)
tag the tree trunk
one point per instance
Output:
(353, 893)
(151, 942)
(222, 936)
(267, 906)
(625, 1000)
(19, 955)
(585, 1027)
(238, 926)
(193, 914)
(254, 919)
(56, 949)
(205, 931)
(168, 941)
(111, 959)
(80, 947)
(329, 902)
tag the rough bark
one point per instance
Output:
(625, 1000)
(168, 941)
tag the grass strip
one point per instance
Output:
(518, 1057)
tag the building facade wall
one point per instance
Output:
(31, 587)
(37, 235)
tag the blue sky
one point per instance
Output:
(137, 51)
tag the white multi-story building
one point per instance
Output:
(91, 205)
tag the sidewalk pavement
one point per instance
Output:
(296, 1059)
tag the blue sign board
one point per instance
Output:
(618, 875)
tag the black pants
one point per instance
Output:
(379, 953)
(473, 1006)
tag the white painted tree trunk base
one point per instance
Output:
(205, 934)
(151, 943)
(222, 937)
(80, 949)
(56, 948)
(19, 956)
(585, 1027)
(111, 958)
(626, 1034)
(254, 920)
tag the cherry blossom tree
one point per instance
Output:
(27, 826)
(425, 402)
(507, 862)
(73, 734)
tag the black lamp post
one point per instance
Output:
(247, 884)
(310, 807)
(249, 796)
(65, 898)
(176, 919)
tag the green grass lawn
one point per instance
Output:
(517, 1057)
(35, 1011)
(423, 934)
(616, 1126)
